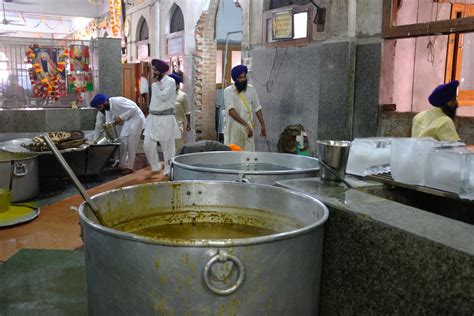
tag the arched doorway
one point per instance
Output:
(143, 44)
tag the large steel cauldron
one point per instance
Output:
(276, 274)
(254, 167)
(21, 169)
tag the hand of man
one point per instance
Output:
(263, 132)
(249, 131)
(188, 127)
(118, 120)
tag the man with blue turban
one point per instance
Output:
(437, 122)
(127, 115)
(242, 104)
(161, 125)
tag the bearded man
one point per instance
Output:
(437, 122)
(242, 105)
(161, 125)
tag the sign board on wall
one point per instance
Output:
(282, 25)
(175, 46)
(142, 51)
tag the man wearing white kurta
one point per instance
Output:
(241, 102)
(123, 112)
(161, 125)
(101, 119)
(182, 113)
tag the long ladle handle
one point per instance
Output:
(71, 174)
(329, 168)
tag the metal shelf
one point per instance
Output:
(386, 178)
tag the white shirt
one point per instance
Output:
(233, 101)
(182, 107)
(131, 115)
(100, 120)
(143, 85)
(163, 97)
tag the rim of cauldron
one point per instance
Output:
(247, 172)
(211, 242)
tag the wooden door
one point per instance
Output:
(129, 82)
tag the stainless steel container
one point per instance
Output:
(334, 153)
(22, 170)
(110, 131)
(253, 167)
(276, 274)
(87, 159)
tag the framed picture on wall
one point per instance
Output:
(282, 25)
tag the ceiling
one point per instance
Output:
(71, 8)
(48, 18)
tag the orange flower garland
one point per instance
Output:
(115, 8)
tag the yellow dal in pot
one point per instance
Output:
(209, 224)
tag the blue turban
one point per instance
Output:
(160, 65)
(176, 78)
(237, 71)
(444, 93)
(99, 99)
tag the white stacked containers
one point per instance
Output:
(409, 157)
(451, 169)
(369, 156)
(467, 177)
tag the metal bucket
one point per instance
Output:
(129, 274)
(110, 131)
(253, 167)
(21, 169)
(334, 153)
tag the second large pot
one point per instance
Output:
(253, 167)
(22, 170)
(275, 274)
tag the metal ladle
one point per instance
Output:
(73, 177)
(334, 173)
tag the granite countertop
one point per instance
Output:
(443, 230)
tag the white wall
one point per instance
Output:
(229, 19)
(369, 18)
(192, 10)
(135, 14)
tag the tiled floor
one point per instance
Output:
(57, 226)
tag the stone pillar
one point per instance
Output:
(155, 30)
(109, 64)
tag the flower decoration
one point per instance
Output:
(45, 84)
(115, 11)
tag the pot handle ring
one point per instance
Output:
(223, 256)
(20, 169)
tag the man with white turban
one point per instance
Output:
(242, 104)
